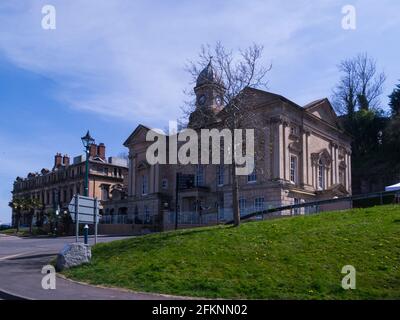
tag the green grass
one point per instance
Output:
(293, 258)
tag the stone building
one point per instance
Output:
(56, 187)
(301, 155)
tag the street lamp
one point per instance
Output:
(87, 141)
(56, 224)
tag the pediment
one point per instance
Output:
(323, 110)
(142, 165)
(295, 147)
(322, 156)
(138, 135)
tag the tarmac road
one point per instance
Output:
(21, 262)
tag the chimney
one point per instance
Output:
(101, 151)
(57, 160)
(66, 160)
(93, 150)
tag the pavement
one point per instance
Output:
(21, 262)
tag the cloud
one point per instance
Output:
(126, 59)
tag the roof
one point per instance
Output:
(138, 128)
(208, 76)
(314, 103)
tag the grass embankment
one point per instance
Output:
(293, 258)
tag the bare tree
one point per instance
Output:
(360, 85)
(236, 73)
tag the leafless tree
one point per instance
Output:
(360, 85)
(236, 72)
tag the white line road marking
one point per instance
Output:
(15, 255)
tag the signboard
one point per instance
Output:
(84, 210)
(87, 209)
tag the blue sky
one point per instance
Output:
(110, 65)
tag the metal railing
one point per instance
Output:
(115, 219)
(205, 218)
(312, 207)
(129, 219)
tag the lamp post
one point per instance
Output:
(56, 222)
(87, 141)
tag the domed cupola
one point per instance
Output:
(209, 92)
(208, 76)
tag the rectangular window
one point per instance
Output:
(105, 193)
(259, 204)
(144, 184)
(293, 169)
(242, 206)
(296, 210)
(252, 177)
(220, 175)
(199, 176)
(146, 214)
(164, 183)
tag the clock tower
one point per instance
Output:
(209, 92)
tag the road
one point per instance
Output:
(14, 246)
(21, 262)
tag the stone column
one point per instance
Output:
(333, 163)
(268, 153)
(277, 149)
(348, 170)
(151, 180)
(350, 180)
(304, 173)
(132, 175)
(285, 158)
(157, 178)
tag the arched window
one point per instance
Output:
(321, 175)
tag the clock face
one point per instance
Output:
(218, 100)
(201, 100)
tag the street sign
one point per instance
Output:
(84, 210)
(87, 208)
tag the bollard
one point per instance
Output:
(86, 233)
